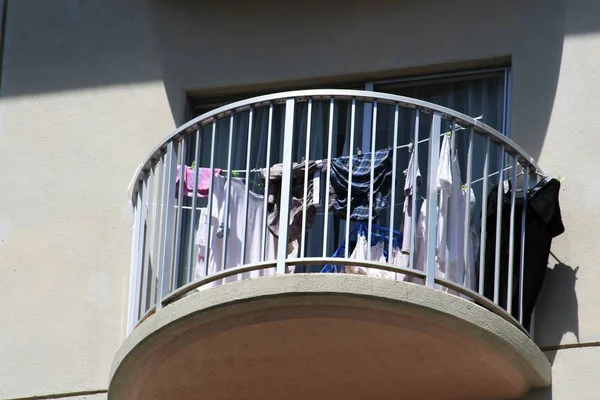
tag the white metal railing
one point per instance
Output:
(245, 140)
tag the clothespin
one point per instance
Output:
(193, 165)
(358, 151)
(560, 178)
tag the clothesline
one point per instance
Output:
(504, 170)
(404, 146)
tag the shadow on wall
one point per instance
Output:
(537, 64)
(557, 306)
(557, 303)
(62, 45)
(207, 45)
(216, 47)
(542, 394)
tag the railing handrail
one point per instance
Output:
(466, 121)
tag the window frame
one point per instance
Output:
(209, 103)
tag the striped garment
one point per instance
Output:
(361, 181)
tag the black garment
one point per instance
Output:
(543, 223)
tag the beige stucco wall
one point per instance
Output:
(81, 104)
(89, 86)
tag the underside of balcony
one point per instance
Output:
(330, 336)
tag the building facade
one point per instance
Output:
(89, 88)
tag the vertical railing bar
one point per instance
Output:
(329, 150)
(367, 123)
(467, 222)
(150, 227)
(484, 204)
(350, 167)
(134, 268)
(414, 191)
(265, 228)
(177, 256)
(371, 205)
(523, 239)
(393, 191)
(140, 246)
(225, 221)
(286, 185)
(499, 207)
(306, 158)
(534, 179)
(511, 240)
(451, 200)
(247, 184)
(209, 207)
(166, 265)
(157, 230)
(191, 239)
(432, 197)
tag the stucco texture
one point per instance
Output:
(67, 154)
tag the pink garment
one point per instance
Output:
(188, 180)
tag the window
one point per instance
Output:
(476, 93)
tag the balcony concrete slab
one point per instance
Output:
(330, 336)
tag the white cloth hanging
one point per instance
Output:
(450, 262)
(409, 191)
(400, 259)
(236, 233)
(360, 253)
(463, 270)
(446, 183)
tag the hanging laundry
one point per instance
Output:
(399, 259)
(450, 262)
(379, 235)
(543, 223)
(447, 174)
(361, 184)
(409, 191)
(360, 253)
(297, 197)
(236, 233)
(451, 222)
(188, 180)
(420, 243)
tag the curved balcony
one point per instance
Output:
(388, 275)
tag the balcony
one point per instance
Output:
(399, 292)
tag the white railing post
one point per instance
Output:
(178, 257)
(286, 185)
(432, 198)
(135, 271)
(166, 264)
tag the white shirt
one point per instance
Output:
(444, 182)
(445, 179)
(450, 237)
(462, 270)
